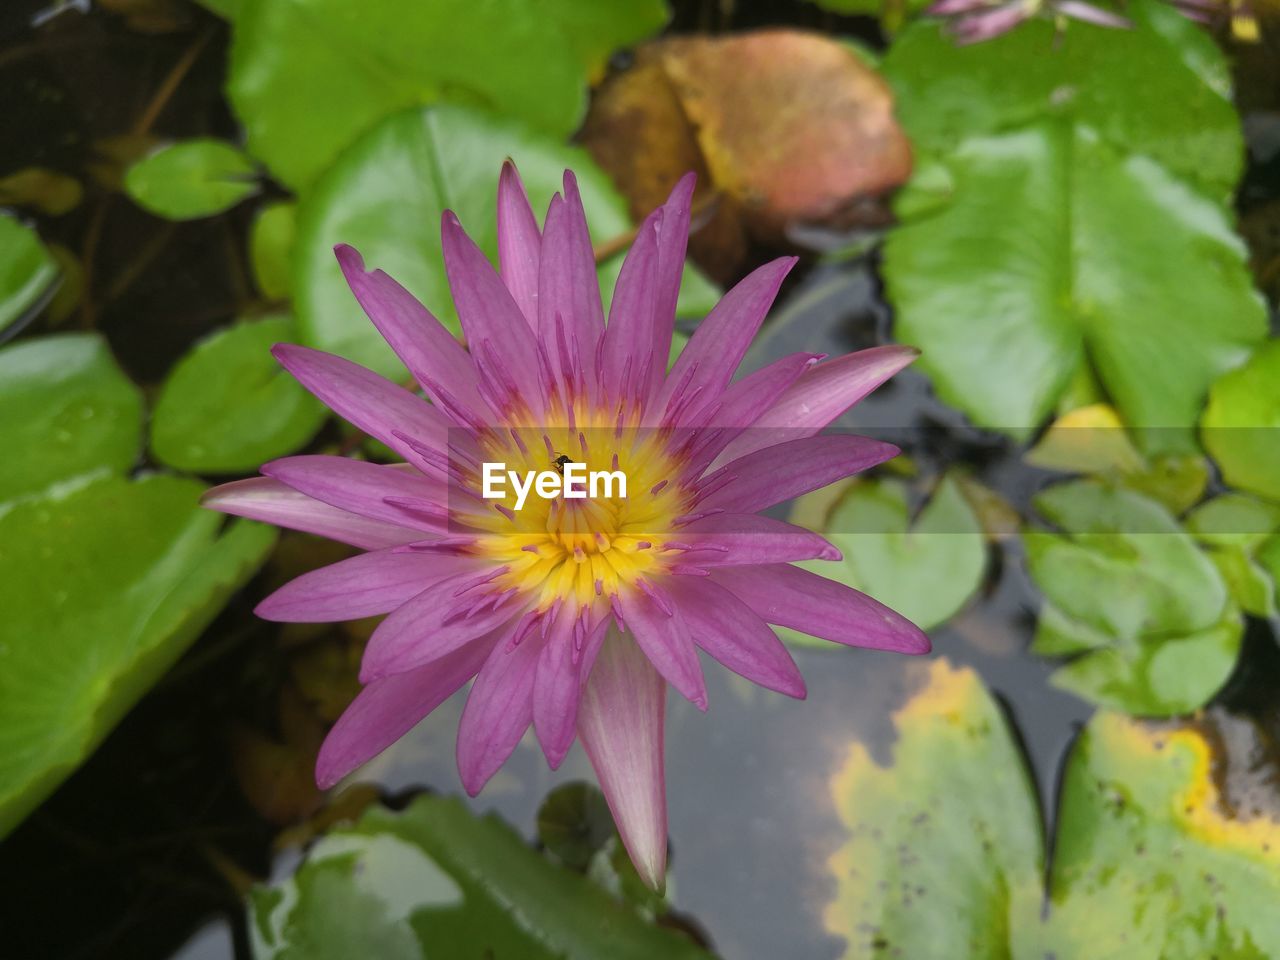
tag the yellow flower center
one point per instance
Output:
(580, 550)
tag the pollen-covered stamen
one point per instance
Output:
(586, 547)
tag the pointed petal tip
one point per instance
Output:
(326, 776)
(348, 258)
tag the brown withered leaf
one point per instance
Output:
(790, 129)
(41, 189)
(277, 776)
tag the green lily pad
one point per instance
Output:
(1161, 89)
(1083, 221)
(191, 179)
(228, 406)
(1241, 424)
(68, 411)
(926, 570)
(944, 850)
(1241, 534)
(1128, 589)
(1150, 862)
(103, 588)
(271, 242)
(385, 197)
(944, 854)
(27, 270)
(437, 881)
(1091, 439)
(308, 77)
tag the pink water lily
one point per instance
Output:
(571, 615)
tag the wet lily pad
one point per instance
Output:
(1241, 424)
(310, 76)
(1130, 595)
(68, 411)
(27, 270)
(103, 588)
(944, 851)
(385, 197)
(228, 406)
(191, 179)
(1080, 207)
(437, 881)
(925, 567)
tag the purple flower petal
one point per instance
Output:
(499, 710)
(804, 601)
(715, 350)
(495, 328)
(370, 402)
(785, 470)
(363, 586)
(627, 350)
(747, 538)
(386, 710)
(821, 394)
(673, 241)
(261, 498)
(562, 666)
(665, 641)
(363, 488)
(568, 289)
(725, 627)
(620, 723)
(431, 625)
(436, 360)
(1089, 13)
(519, 243)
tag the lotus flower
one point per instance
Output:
(571, 615)
(973, 21)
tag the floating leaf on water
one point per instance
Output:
(68, 411)
(228, 406)
(191, 179)
(1127, 588)
(271, 242)
(944, 850)
(574, 823)
(27, 271)
(309, 77)
(41, 189)
(1088, 200)
(1242, 533)
(944, 854)
(1092, 439)
(436, 880)
(1241, 424)
(1150, 862)
(385, 197)
(926, 569)
(112, 582)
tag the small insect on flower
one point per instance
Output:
(570, 614)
